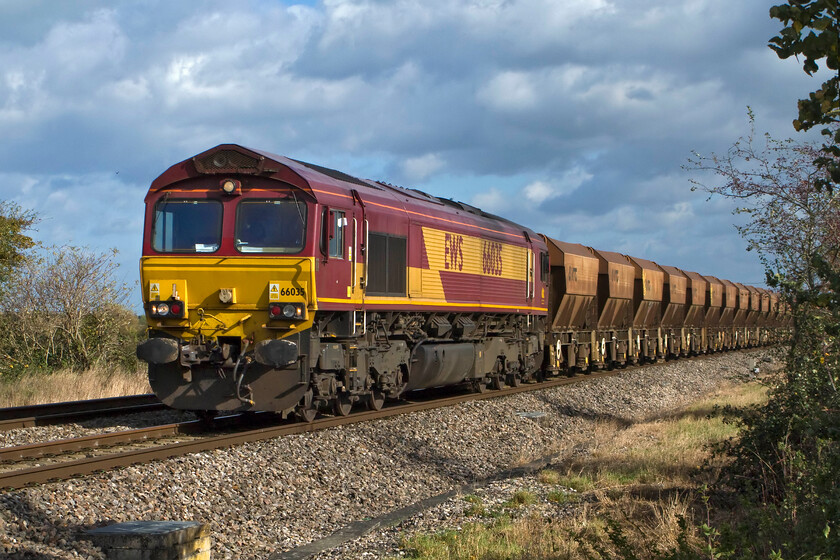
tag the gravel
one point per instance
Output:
(269, 496)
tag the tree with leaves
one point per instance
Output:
(15, 222)
(775, 183)
(812, 31)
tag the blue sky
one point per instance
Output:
(573, 117)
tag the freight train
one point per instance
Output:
(271, 284)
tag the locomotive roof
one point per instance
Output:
(322, 182)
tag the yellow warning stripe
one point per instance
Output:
(376, 301)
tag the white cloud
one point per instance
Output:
(510, 91)
(538, 191)
(417, 169)
(567, 182)
(493, 200)
(76, 49)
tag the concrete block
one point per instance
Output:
(154, 540)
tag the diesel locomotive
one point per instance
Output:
(275, 284)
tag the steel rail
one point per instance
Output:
(51, 448)
(80, 467)
(34, 451)
(56, 413)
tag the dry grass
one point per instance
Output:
(67, 385)
(669, 449)
(642, 482)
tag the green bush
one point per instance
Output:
(787, 460)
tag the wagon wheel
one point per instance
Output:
(375, 400)
(496, 381)
(342, 405)
(305, 410)
(479, 385)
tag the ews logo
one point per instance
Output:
(453, 252)
(491, 258)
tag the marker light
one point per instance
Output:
(172, 309)
(286, 311)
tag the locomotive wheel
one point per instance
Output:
(342, 405)
(206, 416)
(306, 414)
(375, 400)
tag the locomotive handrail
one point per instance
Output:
(367, 239)
(354, 256)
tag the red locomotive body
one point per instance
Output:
(276, 284)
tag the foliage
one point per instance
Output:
(785, 462)
(812, 31)
(14, 243)
(787, 459)
(66, 309)
(775, 185)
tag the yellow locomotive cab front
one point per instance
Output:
(206, 312)
(228, 288)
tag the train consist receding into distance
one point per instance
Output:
(277, 285)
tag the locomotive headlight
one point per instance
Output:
(289, 310)
(163, 309)
(230, 186)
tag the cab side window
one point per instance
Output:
(337, 240)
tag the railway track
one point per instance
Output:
(57, 413)
(107, 451)
(19, 471)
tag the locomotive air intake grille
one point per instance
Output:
(227, 161)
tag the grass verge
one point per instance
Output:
(638, 495)
(68, 385)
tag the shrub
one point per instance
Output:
(65, 309)
(787, 460)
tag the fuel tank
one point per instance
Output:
(434, 365)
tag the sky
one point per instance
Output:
(573, 117)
